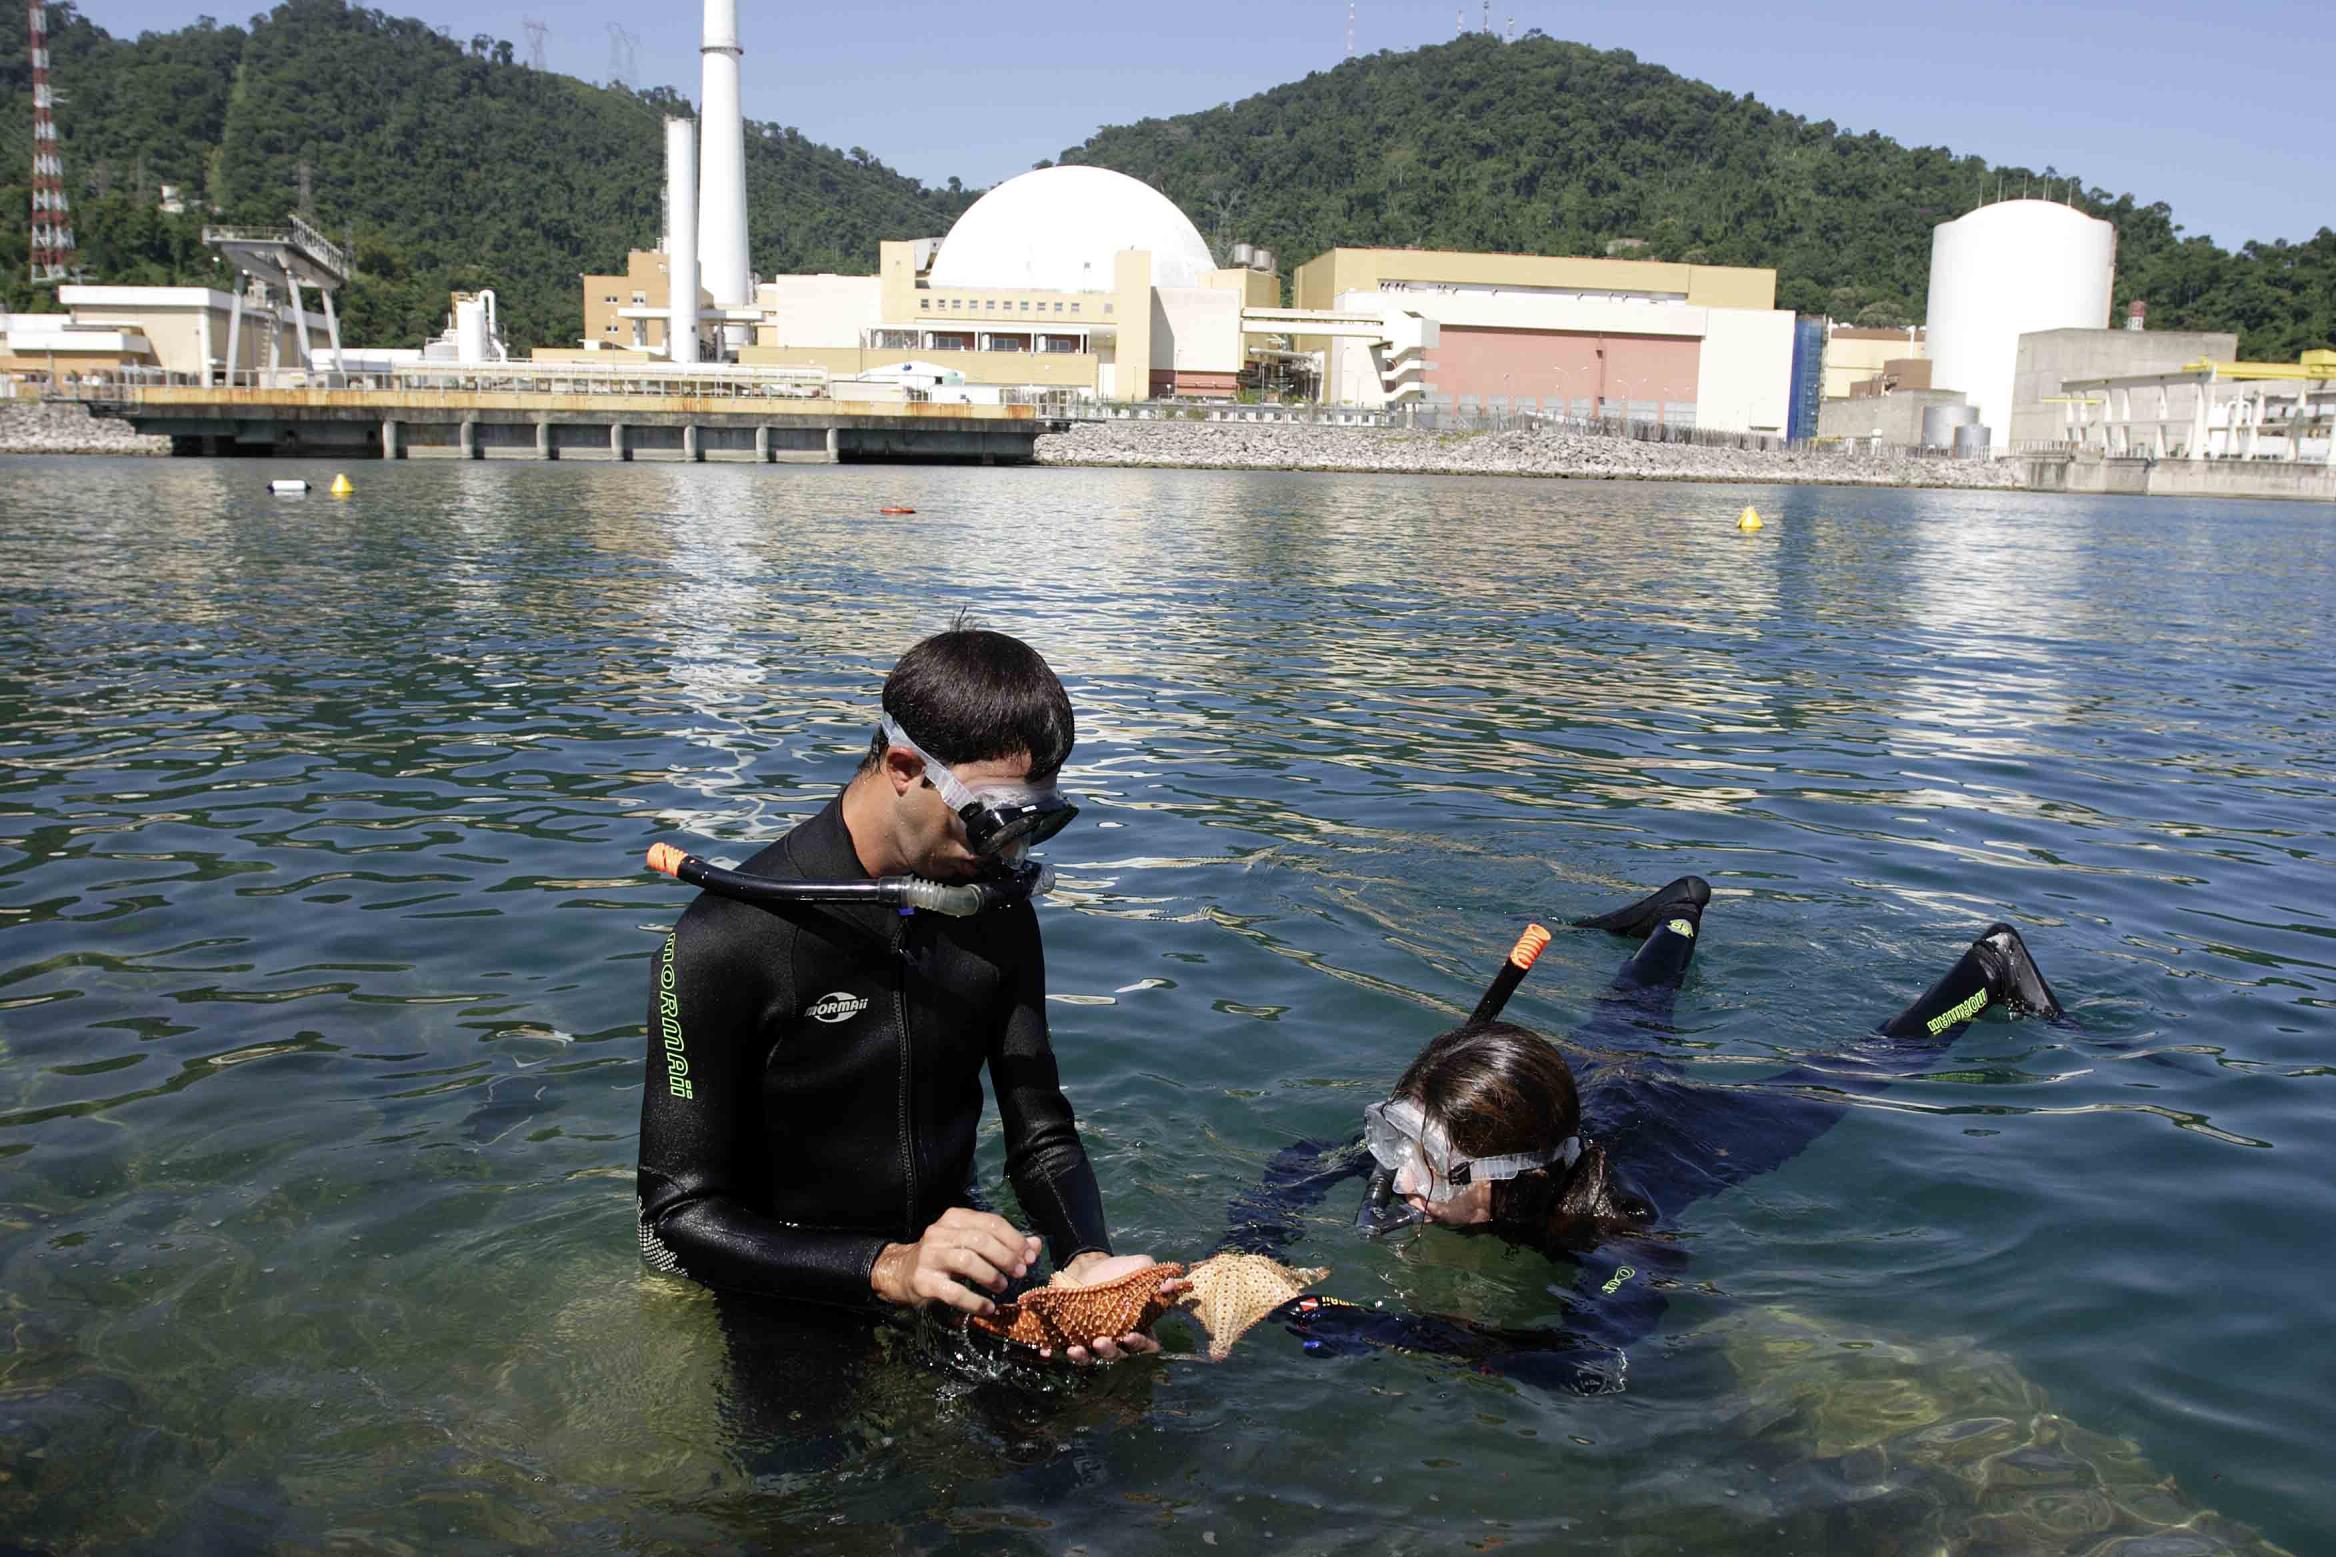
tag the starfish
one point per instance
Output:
(1064, 1314)
(1230, 1292)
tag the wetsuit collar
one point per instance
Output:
(821, 850)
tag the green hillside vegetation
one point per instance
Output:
(445, 163)
(1552, 148)
(448, 165)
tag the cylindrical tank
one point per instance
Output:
(681, 240)
(1263, 260)
(1940, 423)
(2005, 271)
(1242, 254)
(722, 163)
(1971, 442)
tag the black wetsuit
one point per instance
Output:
(1683, 1143)
(814, 1083)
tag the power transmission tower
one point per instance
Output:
(535, 37)
(623, 55)
(52, 253)
(1350, 29)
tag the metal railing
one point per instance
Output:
(718, 381)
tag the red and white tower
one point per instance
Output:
(52, 218)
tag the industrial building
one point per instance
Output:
(176, 333)
(2208, 410)
(1699, 345)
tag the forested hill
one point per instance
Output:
(452, 166)
(449, 164)
(1553, 148)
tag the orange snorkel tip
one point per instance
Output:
(667, 860)
(1529, 946)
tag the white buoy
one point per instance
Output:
(291, 488)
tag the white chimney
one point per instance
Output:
(722, 170)
(681, 240)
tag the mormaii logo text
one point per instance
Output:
(841, 1006)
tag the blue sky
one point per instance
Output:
(2219, 110)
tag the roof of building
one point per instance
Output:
(1060, 229)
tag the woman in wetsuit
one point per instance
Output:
(1485, 1133)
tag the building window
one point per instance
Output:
(638, 297)
(1075, 307)
(1026, 305)
(610, 298)
(1058, 308)
(1107, 308)
(991, 304)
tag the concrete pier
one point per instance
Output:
(452, 423)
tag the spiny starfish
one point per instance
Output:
(1230, 1292)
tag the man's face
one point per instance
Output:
(930, 836)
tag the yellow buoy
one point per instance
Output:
(1749, 519)
(342, 486)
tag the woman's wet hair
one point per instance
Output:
(972, 695)
(1502, 1088)
(1495, 1090)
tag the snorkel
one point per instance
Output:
(1381, 1211)
(958, 899)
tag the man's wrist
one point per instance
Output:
(1084, 1258)
(884, 1276)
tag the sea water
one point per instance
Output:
(324, 957)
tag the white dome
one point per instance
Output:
(1059, 230)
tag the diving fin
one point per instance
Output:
(1639, 920)
(2012, 975)
(1995, 970)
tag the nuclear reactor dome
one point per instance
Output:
(1058, 230)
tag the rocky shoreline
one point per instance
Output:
(63, 427)
(1394, 450)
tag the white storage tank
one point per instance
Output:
(2005, 271)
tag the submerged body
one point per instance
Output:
(1653, 1145)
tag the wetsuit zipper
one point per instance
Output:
(908, 1150)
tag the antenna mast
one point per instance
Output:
(535, 36)
(52, 218)
(1350, 29)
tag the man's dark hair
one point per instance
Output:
(971, 695)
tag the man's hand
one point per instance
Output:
(1093, 1269)
(962, 1251)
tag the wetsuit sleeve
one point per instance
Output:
(1044, 1157)
(700, 1123)
(1270, 1216)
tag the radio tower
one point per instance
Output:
(52, 218)
(1350, 29)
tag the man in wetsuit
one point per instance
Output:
(814, 1072)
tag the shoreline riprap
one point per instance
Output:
(1403, 451)
(64, 427)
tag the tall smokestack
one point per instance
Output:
(722, 170)
(681, 240)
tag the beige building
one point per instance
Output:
(1856, 355)
(1695, 344)
(180, 332)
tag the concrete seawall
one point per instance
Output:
(61, 427)
(1267, 446)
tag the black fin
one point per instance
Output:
(1994, 970)
(2012, 975)
(1641, 917)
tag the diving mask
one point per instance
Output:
(1003, 820)
(1419, 1157)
